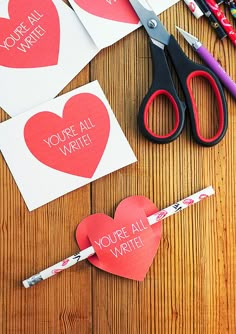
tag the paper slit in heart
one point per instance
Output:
(126, 245)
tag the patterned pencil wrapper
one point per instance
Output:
(193, 7)
(224, 22)
(84, 254)
(183, 204)
(57, 268)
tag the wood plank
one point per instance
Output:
(33, 241)
(190, 287)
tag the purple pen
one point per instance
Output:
(210, 61)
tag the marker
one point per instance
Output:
(232, 7)
(193, 7)
(210, 61)
(90, 251)
(226, 25)
(211, 19)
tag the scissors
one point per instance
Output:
(161, 45)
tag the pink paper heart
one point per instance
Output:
(73, 143)
(31, 36)
(126, 245)
(119, 10)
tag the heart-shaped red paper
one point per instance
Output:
(31, 36)
(126, 245)
(73, 143)
(115, 10)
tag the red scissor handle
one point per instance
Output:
(175, 108)
(195, 116)
(186, 71)
(162, 85)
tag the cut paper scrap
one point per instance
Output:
(113, 19)
(64, 144)
(75, 142)
(43, 46)
(24, 42)
(125, 245)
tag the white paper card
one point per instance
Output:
(64, 144)
(43, 46)
(160, 6)
(107, 21)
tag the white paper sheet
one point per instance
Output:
(107, 21)
(64, 144)
(160, 6)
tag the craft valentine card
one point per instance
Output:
(64, 144)
(125, 245)
(107, 21)
(43, 45)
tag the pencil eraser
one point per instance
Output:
(26, 284)
(193, 7)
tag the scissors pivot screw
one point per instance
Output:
(152, 23)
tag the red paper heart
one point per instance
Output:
(72, 144)
(38, 23)
(98, 230)
(115, 10)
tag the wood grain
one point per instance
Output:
(190, 287)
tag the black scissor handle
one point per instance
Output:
(162, 84)
(186, 71)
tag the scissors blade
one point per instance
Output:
(150, 21)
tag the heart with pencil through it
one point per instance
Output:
(126, 245)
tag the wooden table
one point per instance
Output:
(191, 285)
